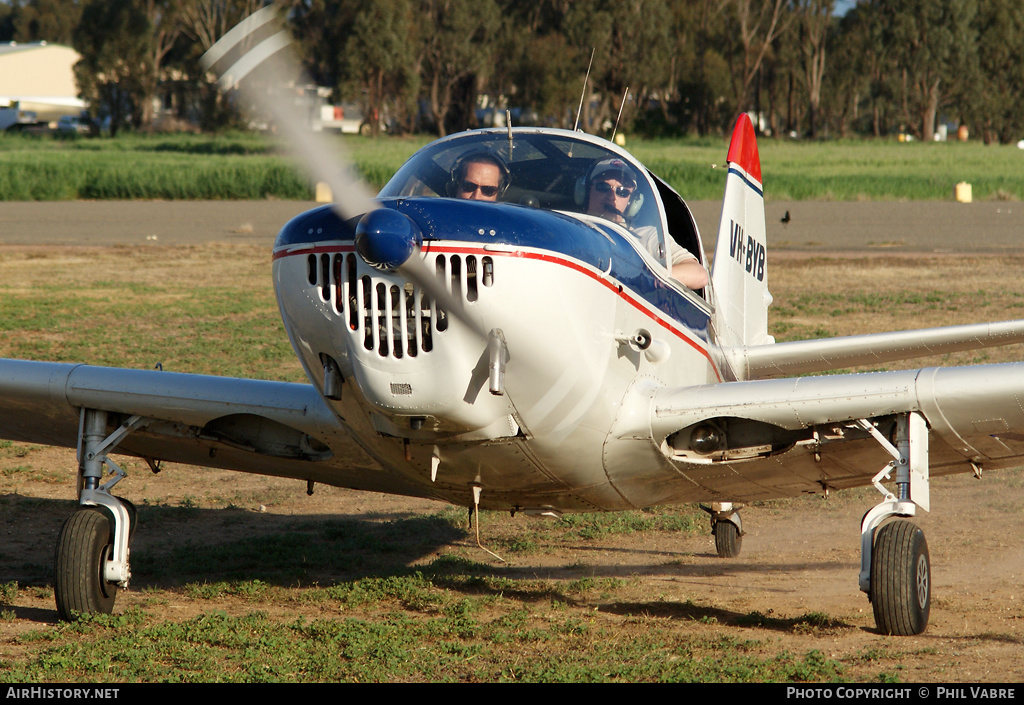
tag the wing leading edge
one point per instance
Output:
(977, 411)
(273, 428)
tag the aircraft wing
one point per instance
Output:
(810, 356)
(786, 436)
(273, 428)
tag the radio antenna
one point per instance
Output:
(508, 126)
(584, 95)
(617, 117)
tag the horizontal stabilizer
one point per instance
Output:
(811, 356)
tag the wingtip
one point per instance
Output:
(743, 148)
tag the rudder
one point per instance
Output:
(740, 273)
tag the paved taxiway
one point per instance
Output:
(814, 226)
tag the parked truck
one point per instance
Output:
(14, 118)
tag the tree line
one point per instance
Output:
(657, 67)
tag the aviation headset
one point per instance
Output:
(480, 155)
(636, 201)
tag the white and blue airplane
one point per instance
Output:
(529, 350)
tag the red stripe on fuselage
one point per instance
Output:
(619, 289)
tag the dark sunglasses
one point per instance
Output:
(620, 191)
(469, 187)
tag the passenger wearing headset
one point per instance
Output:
(611, 194)
(479, 176)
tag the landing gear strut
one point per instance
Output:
(895, 565)
(91, 560)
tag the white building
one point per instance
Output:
(40, 77)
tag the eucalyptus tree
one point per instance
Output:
(814, 21)
(123, 44)
(203, 22)
(536, 67)
(995, 101)
(752, 27)
(206, 21)
(52, 21)
(706, 95)
(322, 29)
(456, 52)
(631, 43)
(380, 56)
(933, 45)
(111, 37)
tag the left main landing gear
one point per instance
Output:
(895, 564)
(901, 593)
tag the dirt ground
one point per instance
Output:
(798, 557)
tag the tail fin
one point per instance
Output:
(740, 274)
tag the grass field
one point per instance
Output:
(247, 166)
(396, 597)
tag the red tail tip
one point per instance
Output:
(743, 148)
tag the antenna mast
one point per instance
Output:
(584, 95)
(617, 117)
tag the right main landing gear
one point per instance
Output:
(85, 545)
(91, 559)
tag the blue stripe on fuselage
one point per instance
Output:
(484, 223)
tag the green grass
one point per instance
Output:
(592, 526)
(185, 322)
(846, 170)
(458, 643)
(448, 619)
(68, 175)
(249, 166)
(235, 166)
(422, 626)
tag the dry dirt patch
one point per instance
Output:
(800, 557)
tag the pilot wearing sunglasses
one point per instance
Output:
(479, 177)
(610, 195)
(611, 190)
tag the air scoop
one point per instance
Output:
(385, 238)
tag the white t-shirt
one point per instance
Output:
(648, 237)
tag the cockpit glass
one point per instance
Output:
(545, 170)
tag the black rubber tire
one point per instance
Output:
(901, 579)
(728, 540)
(85, 542)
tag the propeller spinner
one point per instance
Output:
(386, 239)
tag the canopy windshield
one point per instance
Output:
(546, 169)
